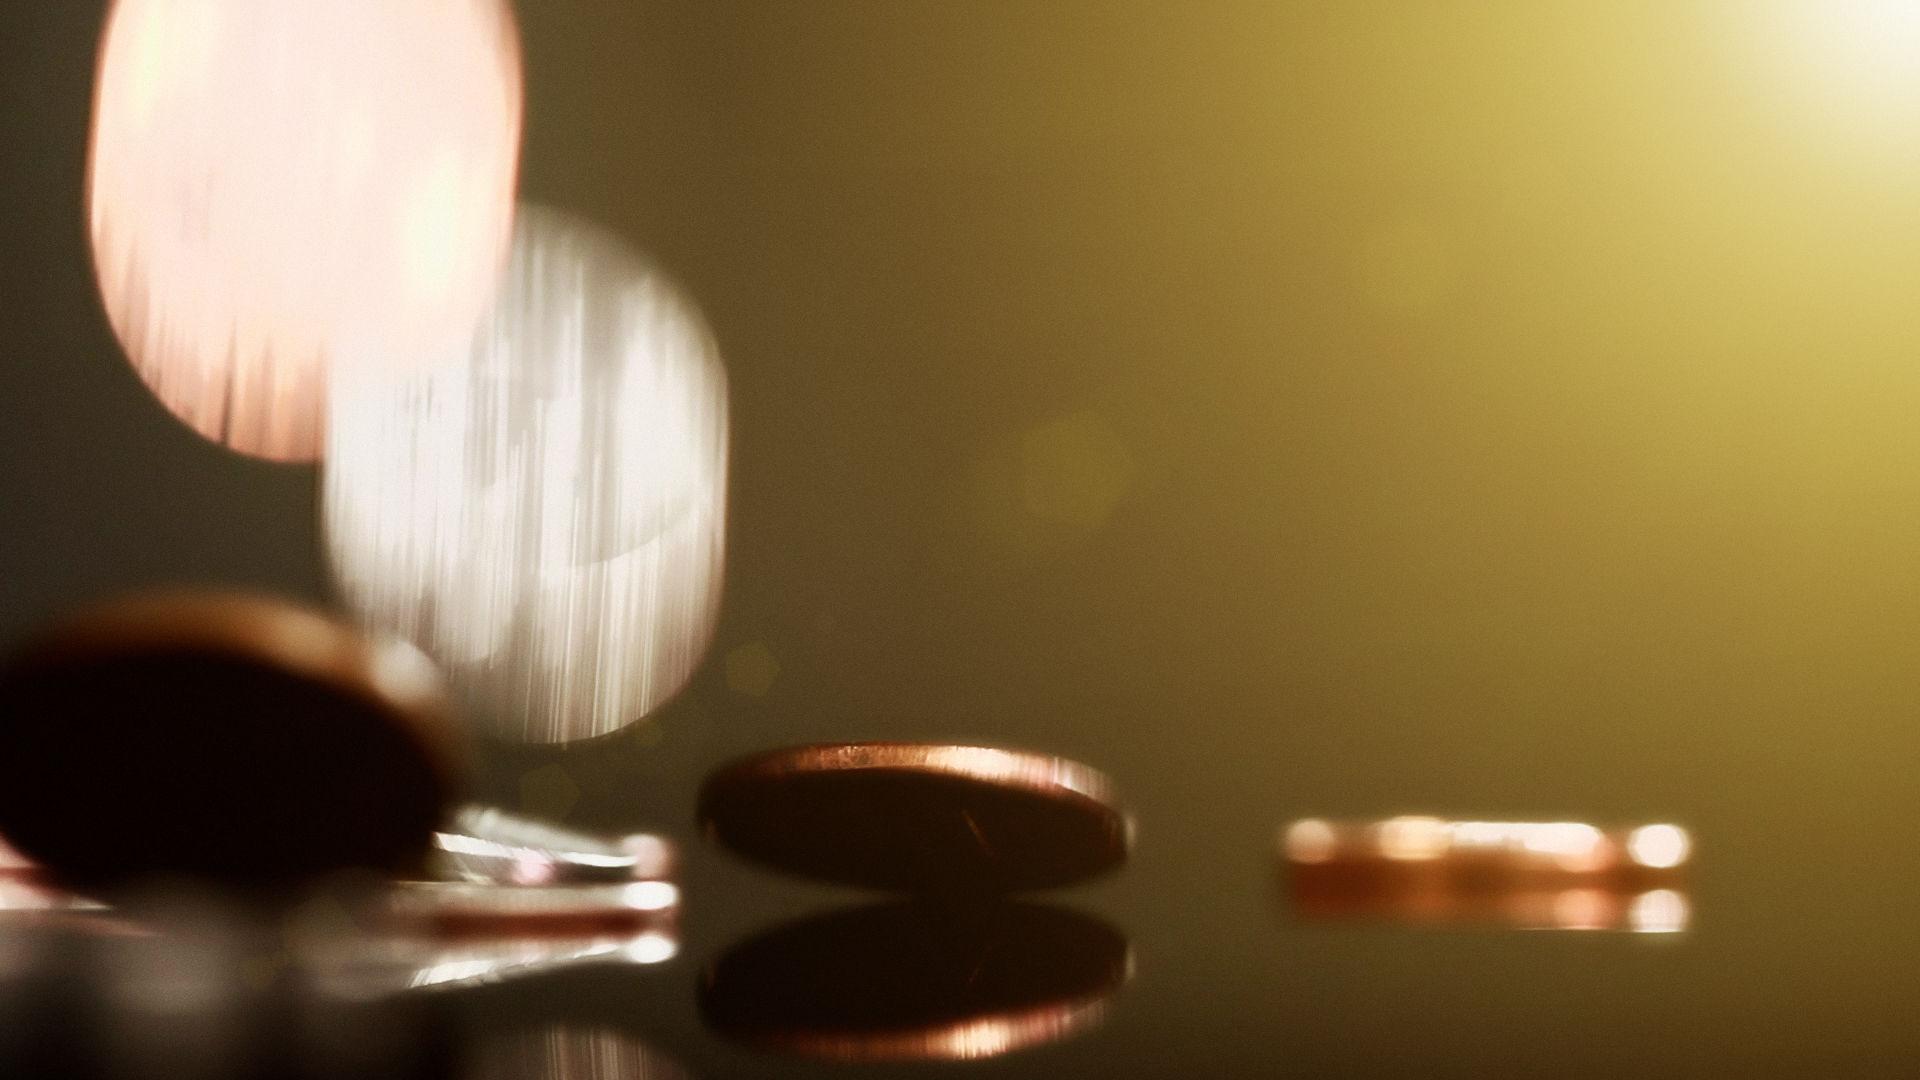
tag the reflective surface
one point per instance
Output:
(1495, 412)
(917, 981)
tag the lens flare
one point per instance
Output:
(543, 512)
(1846, 71)
(274, 184)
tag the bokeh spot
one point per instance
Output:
(750, 669)
(1074, 470)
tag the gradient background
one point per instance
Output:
(1342, 408)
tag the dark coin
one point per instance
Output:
(917, 980)
(917, 817)
(234, 738)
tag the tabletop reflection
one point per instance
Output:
(917, 981)
(183, 982)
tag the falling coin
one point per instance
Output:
(919, 818)
(917, 981)
(235, 738)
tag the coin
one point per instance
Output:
(917, 980)
(1433, 872)
(920, 818)
(235, 738)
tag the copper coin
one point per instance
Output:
(917, 981)
(1433, 872)
(921, 818)
(236, 738)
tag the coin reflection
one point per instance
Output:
(917, 981)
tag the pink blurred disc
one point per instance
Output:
(274, 185)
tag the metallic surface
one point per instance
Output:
(918, 817)
(1499, 408)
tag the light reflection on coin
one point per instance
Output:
(272, 186)
(913, 817)
(235, 737)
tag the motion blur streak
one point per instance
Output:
(274, 184)
(1567, 846)
(544, 512)
(1428, 871)
(571, 1053)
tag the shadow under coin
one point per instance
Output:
(917, 981)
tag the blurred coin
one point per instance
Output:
(917, 981)
(362, 945)
(382, 965)
(542, 508)
(276, 187)
(236, 738)
(918, 817)
(1524, 875)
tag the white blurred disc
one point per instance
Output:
(543, 513)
